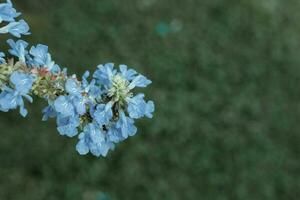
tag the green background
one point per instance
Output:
(226, 80)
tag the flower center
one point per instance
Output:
(119, 89)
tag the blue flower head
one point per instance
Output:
(103, 110)
(119, 84)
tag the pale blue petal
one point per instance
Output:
(136, 106)
(68, 125)
(16, 28)
(63, 106)
(82, 147)
(149, 109)
(126, 125)
(103, 113)
(127, 74)
(22, 82)
(40, 54)
(79, 104)
(7, 12)
(48, 112)
(104, 73)
(18, 49)
(139, 81)
(73, 87)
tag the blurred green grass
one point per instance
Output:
(226, 88)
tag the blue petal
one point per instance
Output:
(23, 111)
(79, 104)
(8, 100)
(16, 28)
(63, 106)
(84, 81)
(73, 87)
(94, 91)
(126, 125)
(22, 82)
(139, 81)
(94, 132)
(68, 125)
(82, 147)
(114, 135)
(48, 112)
(40, 54)
(127, 74)
(104, 73)
(18, 49)
(7, 12)
(101, 148)
(149, 109)
(136, 106)
(103, 114)
(93, 140)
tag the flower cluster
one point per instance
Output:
(99, 108)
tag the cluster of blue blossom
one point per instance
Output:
(101, 111)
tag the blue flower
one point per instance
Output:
(137, 107)
(18, 49)
(9, 99)
(12, 98)
(104, 74)
(73, 87)
(114, 134)
(7, 12)
(68, 125)
(22, 82)
(42, 58)
(72, 104)
(64, 106)
(103, 107)
(103, 113)
(49, 112)
(40, 54)
(126, 125)
(16, 28)
(92, 139)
